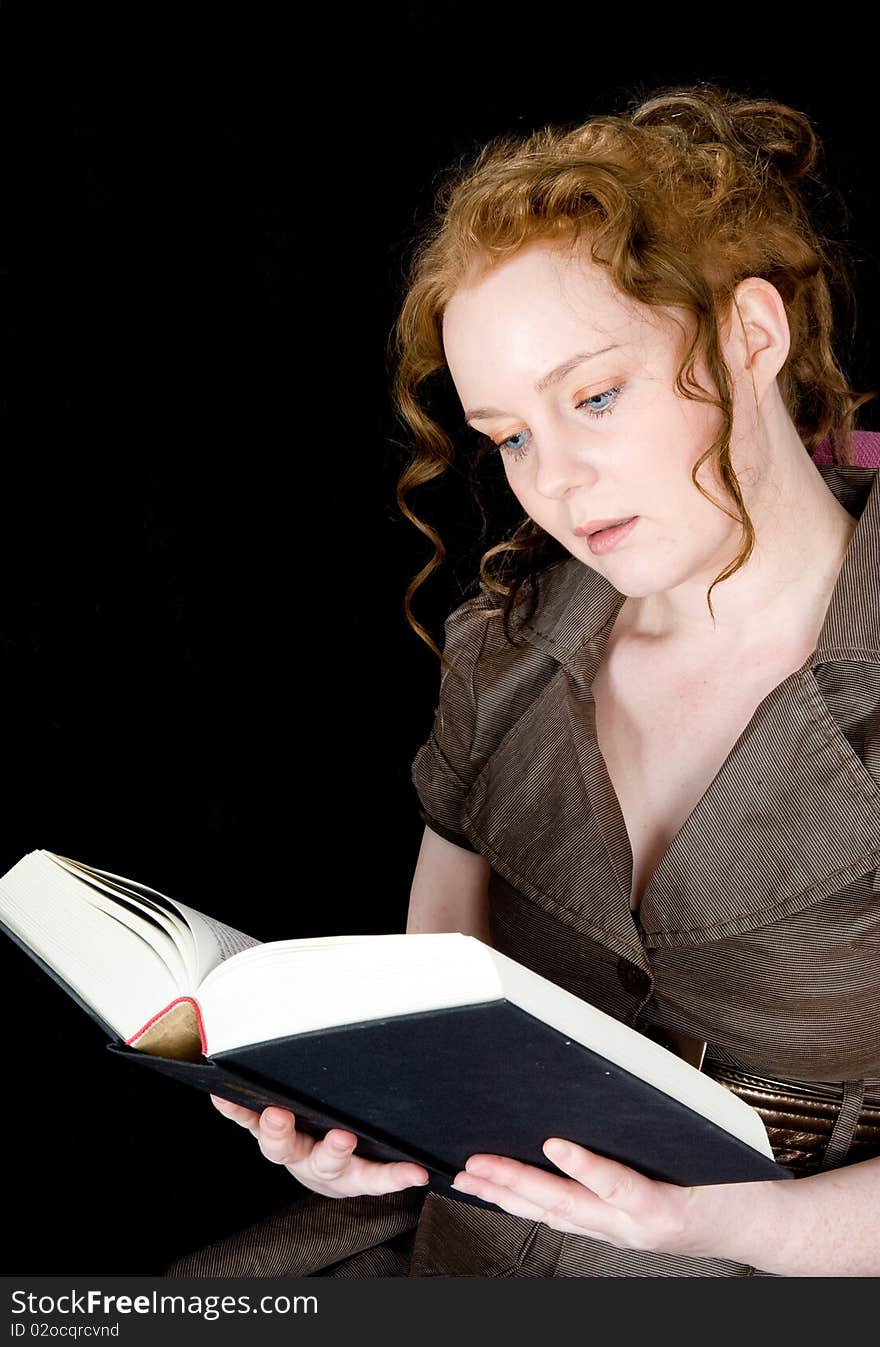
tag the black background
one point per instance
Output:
(208, 682)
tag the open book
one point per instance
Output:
(428, 1047)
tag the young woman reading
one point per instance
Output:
(654, 772)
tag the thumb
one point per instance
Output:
(615, 1183)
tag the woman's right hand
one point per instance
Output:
(329, 1166)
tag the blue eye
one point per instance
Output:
(508, 443)
(515, 452)
(601, 411)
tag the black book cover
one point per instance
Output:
(438, 1086)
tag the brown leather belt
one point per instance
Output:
(811, 1126)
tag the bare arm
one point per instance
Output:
(824, 1225)
(450, 890)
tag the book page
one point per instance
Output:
(214, 940)
(109, 963)
(210, 941)
(150, 922)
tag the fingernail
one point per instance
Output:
(276, 1124)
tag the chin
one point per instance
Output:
(629, 580)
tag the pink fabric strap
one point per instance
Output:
(866, 449)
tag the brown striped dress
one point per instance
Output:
(759, 931)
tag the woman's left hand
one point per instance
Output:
(600, 1198)
(824, 1225)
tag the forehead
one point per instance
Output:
(540, 300)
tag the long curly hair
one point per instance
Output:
(681, 197)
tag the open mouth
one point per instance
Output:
(604, 540)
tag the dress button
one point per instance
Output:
(633, 978)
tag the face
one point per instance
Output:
(599, 438)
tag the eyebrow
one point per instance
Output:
(546, 380)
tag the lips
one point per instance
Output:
(603, 541)
(594, 525)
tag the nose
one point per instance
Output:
(563, 462)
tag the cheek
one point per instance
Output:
(700, 526)
(687, 426)
(519, 484)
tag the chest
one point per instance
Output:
(665, 730)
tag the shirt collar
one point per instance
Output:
(578, 603)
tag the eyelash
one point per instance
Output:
(516, 454)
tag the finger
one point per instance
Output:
(335, 1159)
(375, 1177)
(278, 1138)
(332, 1156)
(553, 1216)
(560, 1209)
(245, 1117)
(509, 1198)
(622, 1188)
(564, 1204)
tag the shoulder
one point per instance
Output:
(478, 620)
(487, 685)
(480, 646)
(573, 603)
(500, 677)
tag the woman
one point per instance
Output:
(654, 772)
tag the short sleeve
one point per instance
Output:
(444, 768)
(491, 685)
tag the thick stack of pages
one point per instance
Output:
(429, 1047)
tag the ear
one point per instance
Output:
(756, 336)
